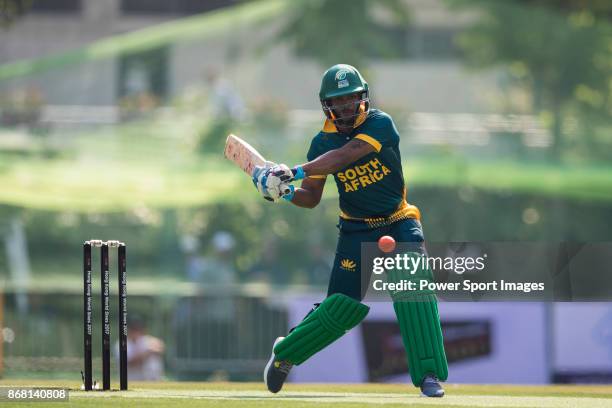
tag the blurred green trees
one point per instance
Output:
(344, 31)
(560, 52)
(293, 238)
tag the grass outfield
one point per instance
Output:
(60, 184)
(154, 163)
(185, 394)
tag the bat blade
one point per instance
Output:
(243, 154)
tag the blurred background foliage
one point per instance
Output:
(348, 31)
(560, 53)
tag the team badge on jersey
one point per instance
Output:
(348, 265)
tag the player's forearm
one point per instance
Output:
(305, 198)
(328, 163)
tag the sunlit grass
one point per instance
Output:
(157, 164)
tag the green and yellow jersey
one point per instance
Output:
(371, 189)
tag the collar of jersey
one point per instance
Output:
(329, 127)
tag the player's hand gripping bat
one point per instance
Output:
(245, 156)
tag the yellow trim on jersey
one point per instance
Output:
(403, 212)
(329, 127)
(318, 176)
(370, 140)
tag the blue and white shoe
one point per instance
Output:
(276, 371)
(430, 387)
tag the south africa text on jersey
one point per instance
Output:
(361, 176)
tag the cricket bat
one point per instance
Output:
(244, 155)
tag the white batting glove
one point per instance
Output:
(277, 175)
(269, 186)
(259, 176)
(284, 190)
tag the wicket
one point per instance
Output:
(105, 302)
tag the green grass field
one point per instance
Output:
(190, 394)
(175, 180)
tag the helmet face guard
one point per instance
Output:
(338, 115)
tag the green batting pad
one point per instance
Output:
(419, 322)
(326, 324)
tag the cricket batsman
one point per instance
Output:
(359, 146)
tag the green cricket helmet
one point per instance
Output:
(342, 80)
